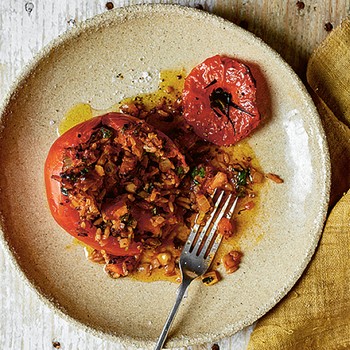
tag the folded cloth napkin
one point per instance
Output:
(316, 312)
(328, 71)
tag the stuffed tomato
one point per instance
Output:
(92, 175)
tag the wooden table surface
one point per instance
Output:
(292, 28)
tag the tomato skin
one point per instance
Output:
(202, 92)
(66, 216)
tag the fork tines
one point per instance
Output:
(201, 241)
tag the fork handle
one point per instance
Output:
(180, 295)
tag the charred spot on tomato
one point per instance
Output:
(220, 101)
(82, 234)
(214, 81)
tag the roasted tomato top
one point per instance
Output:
(219, 100)
(92, 175)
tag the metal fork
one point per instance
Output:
(197, 254)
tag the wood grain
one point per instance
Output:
(292, 29)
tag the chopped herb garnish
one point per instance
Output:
(242, 176)
(201, 172)
(180, 170)
(124, 128)
(196, 182)
(106, 133)
(84, 171)
(198, 172)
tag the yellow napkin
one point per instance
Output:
(328, 71)
(316, 312)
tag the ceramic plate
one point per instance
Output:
(83, 66)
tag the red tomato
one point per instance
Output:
(219, 100)
(66, 216)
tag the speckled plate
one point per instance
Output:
(83, 66)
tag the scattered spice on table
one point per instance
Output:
(300, 5)
(56, 344)
(109, 5)
(29, 6)
(328, 26)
